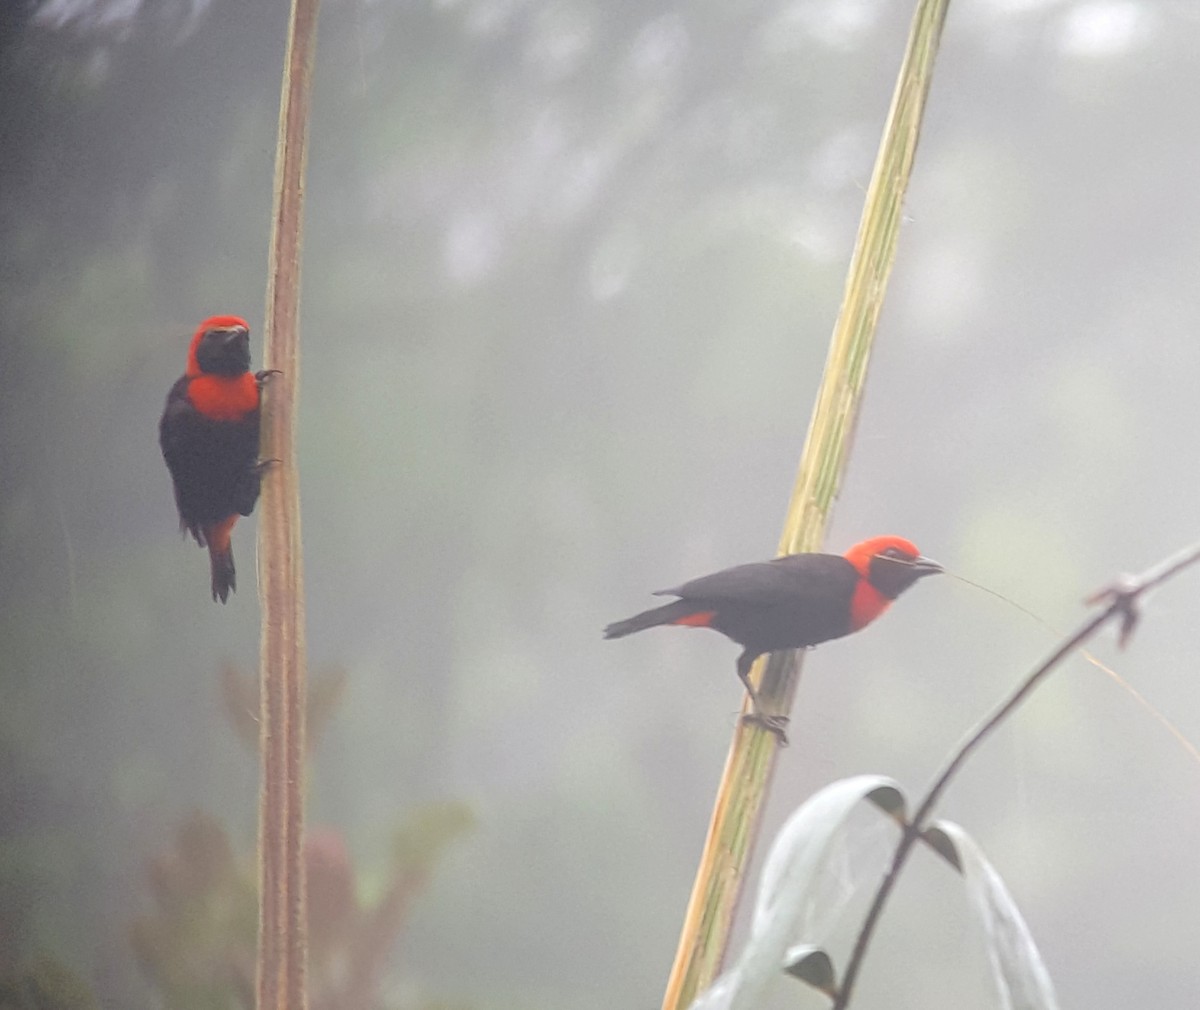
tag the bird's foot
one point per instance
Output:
(264, 376)
(776, 724)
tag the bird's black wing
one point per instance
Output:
(176, 423)
(794, 577)
(177, 431)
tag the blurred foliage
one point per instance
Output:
(570, 270)
(197, 945)
(46, 985)
(239, 693)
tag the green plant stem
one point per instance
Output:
(282, 948)
(751, 759)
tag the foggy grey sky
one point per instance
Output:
(570, 271)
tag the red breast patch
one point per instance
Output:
(866, 604)
(224, 397)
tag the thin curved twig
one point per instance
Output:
(1120, 601)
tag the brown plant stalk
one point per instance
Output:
(281, 968)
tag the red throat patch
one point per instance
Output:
(699, 620)
(224, 397)
(866, 604)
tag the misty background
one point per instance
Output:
(570, 272)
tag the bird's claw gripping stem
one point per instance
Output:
(264, 376)
(776, 724)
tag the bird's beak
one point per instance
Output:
(236, 333)
(926, 566)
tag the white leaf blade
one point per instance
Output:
(783, 912)
(1021, 976)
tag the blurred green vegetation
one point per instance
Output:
(197, 945)
(46, 985)
(570, 271)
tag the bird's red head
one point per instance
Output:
(890, 564)
(886, 567)
(220, 346)
(860, 555)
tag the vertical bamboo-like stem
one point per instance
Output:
(282, 946)
(751, 759)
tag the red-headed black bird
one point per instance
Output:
(209, 438)
(790, 602)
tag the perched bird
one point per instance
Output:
(209, 439)
(791, 602)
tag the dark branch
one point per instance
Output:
(1120, 601)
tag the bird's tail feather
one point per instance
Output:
(224, 577)
(669, 613)
(220, 553)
